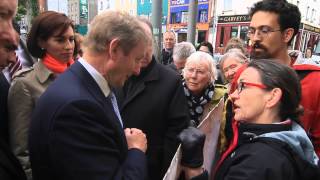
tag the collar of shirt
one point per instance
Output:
(100, 80)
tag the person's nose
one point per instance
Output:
(137, 69)
(256, 36)
(12, 58)
(193, 74)
(69, 45)
(234, 95)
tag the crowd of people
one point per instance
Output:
(102, 106)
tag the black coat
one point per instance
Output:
(4, 88)
(155, 103)
(76, 135)
(166, 57)
(264, 158)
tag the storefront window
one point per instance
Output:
(201, 36)
(184, 17)
(234, 31)
(175, 18)
(203, 16)
(221, 37)
(243, 34)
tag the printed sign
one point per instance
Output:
(184, 2)
(84, 9)
(236, 18)
(210, 126)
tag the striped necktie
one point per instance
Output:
(14, 67)
(115, 106)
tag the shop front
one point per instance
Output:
(181, 31)
(178, 19)
(229, 27)
(307, 37)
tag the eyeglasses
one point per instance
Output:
(242, 85)
(194, 70)
(263, 31)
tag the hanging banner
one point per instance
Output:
(83, 9)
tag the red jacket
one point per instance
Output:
(311, 102)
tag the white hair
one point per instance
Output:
(238, 56)
(182, 50)
(200, 56)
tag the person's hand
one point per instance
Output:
(136, 139)
(192, 142)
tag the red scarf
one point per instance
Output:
(55, 65)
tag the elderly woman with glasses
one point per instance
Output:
(270, 143)
(199, 75)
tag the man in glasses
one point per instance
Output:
(274, 23)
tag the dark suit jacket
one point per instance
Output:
(10, 168)
(155, 103)
(4, 88)
(76, 135)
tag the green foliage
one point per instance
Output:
(22, 11)
(34, 8)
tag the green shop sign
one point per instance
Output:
(84, 9)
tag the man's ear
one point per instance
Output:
(113, 48)
(288, 34)
(274, 97)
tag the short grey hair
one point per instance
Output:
(111, 25)
(240, 57)
(182, 50)
(200, 56)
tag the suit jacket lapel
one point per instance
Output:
(96, 92)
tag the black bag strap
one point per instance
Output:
(303, 73)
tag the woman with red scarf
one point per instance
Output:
(51, 39)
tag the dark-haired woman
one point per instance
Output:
(51, 39)
(205, 46)
(271, 145)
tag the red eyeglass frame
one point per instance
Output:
(261, 86)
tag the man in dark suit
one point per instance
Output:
(154, 102)
(25, 58)
(76, 131)
(10, 168)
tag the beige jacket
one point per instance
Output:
(27, 86)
